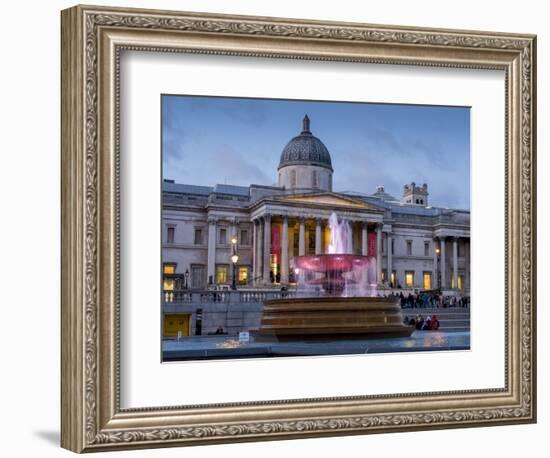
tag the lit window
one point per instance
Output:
(221, 275)
(393, 278)
(409, 278)
(223, 236)
(244, 237)
(198, 237)
(459, 282)
(243, 274)
(170, 235)
(409, 247)
(427, 280)
(169, 269)
(168, 284)
(426, 248)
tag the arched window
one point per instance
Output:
(293, 178)
(315, 179)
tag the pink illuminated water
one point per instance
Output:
(339, 271)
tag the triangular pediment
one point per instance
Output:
(329, 199)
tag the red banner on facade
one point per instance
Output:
(371, 244)
(276, 241)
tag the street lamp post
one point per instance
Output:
(234, 260)
(186, 278)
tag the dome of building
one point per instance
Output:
(305, 149)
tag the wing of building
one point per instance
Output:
(416, 245)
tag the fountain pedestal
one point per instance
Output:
(332, 318)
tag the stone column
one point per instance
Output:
(455, 262)
(434, 279)
(211, 270)
(364, 240)
(379, 253)
(302, 240)
(318, 238)
(390, 267)
(267, 249)
(284, 252)
(259, 252)
(442, 267)
(254, 257)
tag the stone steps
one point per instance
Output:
(450, 319)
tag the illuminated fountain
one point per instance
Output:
(339, 272)
(336, 297)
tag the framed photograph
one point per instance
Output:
(278, 228)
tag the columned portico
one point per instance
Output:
(267, 249)
(288, 227)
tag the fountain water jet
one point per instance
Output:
(339, 272)
(336, 297)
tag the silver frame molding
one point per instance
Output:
(92, 40)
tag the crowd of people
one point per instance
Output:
(430, 323)
(431, 299)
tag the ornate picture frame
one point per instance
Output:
(92, 41)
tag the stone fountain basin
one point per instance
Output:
(332, 318)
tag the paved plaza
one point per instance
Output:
(222, 347)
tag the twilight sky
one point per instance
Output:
(209, 140)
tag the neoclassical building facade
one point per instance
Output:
(204, 227)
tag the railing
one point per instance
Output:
(250, 296)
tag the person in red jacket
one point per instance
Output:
(434, 323)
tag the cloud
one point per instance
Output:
(230, 166)
(222, 164)
(363, 167)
